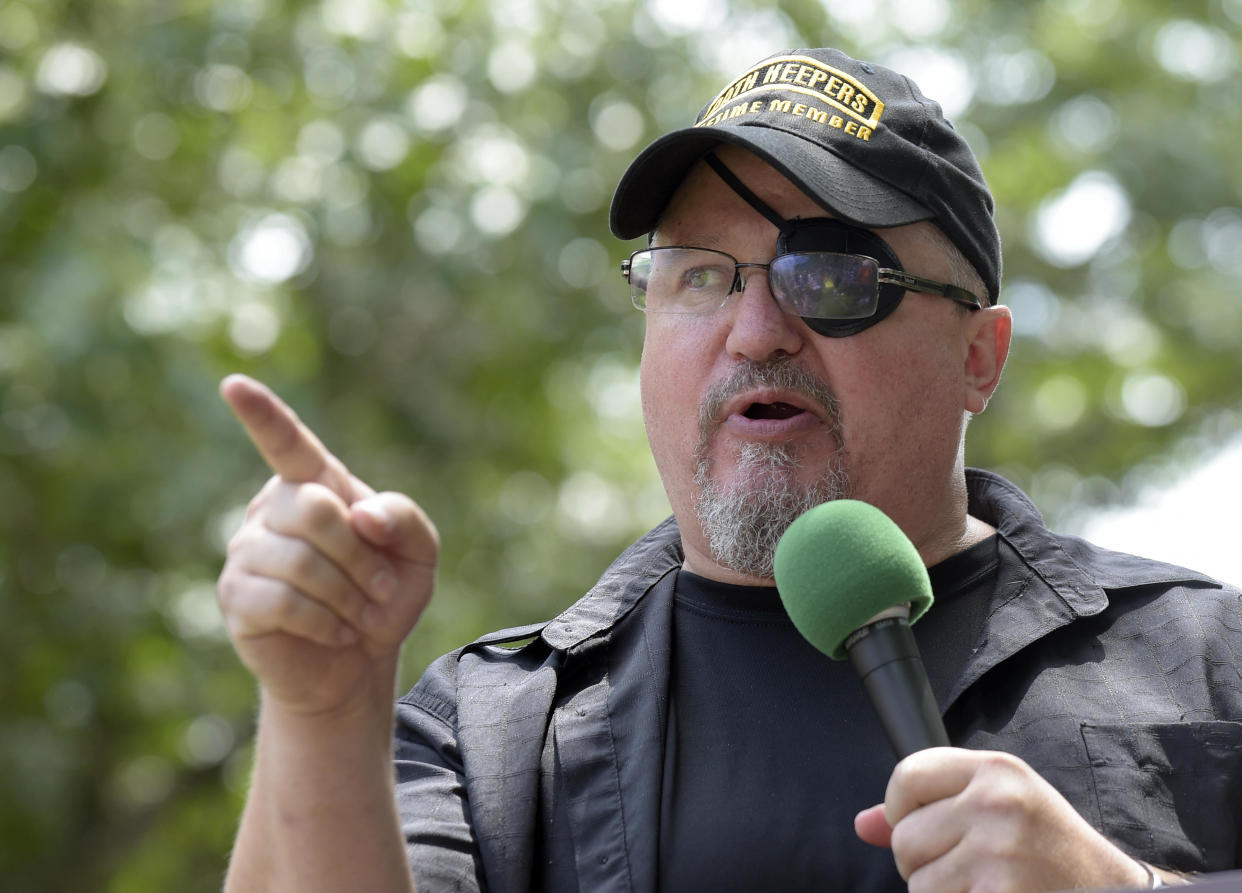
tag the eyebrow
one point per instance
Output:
(698, 240)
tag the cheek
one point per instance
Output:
(676, 363)
(667, 386)
(902, 407)
(669, 393)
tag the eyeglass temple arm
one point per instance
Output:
(930, 286)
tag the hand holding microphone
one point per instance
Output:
(956, 820)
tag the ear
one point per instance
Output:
(987, 336)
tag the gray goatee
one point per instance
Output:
(742, 524)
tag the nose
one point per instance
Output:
(759, 329)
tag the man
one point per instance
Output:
(820, 289)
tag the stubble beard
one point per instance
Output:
(744, 521)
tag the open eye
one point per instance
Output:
(705, 277)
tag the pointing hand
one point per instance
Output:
(326, 577)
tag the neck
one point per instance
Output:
(700, 562)
(971, 531)
(954, 529)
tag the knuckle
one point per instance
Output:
(283, 605)
(233, 584)
(997, 803)
(242, 538)
(901, 840)
(303, 562)
(1008, 848)
(992, 883)
(314, 507)
(1001, 760)
(260, 499)
(240, 597)
(225, 590)
(402, 506)
(920, 882)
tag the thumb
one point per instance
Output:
(871, 826)
(398, 525)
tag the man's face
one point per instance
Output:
(753, 417)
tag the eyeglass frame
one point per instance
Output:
(845, 325)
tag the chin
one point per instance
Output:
(744, 517)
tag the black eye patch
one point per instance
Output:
(839, 237)
(829, 235)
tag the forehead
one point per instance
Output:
(704, 205)
(706, 212)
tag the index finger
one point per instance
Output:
(288, 447)
(927, 776)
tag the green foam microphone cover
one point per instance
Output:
(840, 564)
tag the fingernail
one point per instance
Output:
(383, 585)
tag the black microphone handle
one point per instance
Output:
(886, 659)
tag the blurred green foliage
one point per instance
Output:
(395, 215)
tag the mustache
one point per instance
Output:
(781, 374)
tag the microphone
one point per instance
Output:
(853, 583)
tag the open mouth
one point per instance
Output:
(772, 411)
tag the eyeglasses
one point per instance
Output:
(833, 292)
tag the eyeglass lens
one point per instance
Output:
(815, 284)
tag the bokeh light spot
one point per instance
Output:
(365, 19)
(920, 19)
(1222, 240)
(12, 93)
(18, 168)
(271, 250)
(525, 497)
(618, 125)
(437, 103)
(254, 327)
(591, 508)
(1152, 399)
(18, 26)
(383, 143)
(1194, 51)
(207, 740)
(1017, 77)
(1060, 402)
(155, 136)
(438, 230)
(582, 263)
(223, 88)
(1071, 226)
(143, 782)
(511, 66)
(1085, 124)
(70, 69)
(418, 34)
(940, 73)
(686, 16)
(322, 141)
(496, 210)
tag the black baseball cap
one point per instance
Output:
(858, 138)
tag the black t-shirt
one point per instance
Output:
(772, 748)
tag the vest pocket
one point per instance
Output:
(1170, 793)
